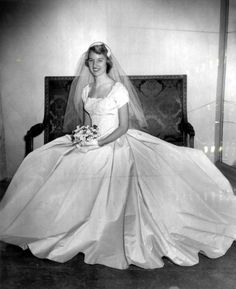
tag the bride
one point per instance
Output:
(123, 198)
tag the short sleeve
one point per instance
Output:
(121, 95)
(85, 92)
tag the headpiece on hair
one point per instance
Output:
(101, 43)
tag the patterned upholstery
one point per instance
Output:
(56, 95)
(163, 98)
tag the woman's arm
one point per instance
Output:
(123, 114)
(87, 119)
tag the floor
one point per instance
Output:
(20, 269)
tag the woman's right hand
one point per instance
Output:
(88, 146)
(93, 143)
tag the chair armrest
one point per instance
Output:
(34, 131)
(188, 129)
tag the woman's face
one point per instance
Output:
(97, 64)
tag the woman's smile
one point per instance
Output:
(96, 69)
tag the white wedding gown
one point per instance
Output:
(132, 201)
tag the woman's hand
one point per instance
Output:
(93, 142)
(88, 146)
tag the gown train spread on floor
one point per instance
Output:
(132, 201)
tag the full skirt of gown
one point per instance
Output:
(132, 201)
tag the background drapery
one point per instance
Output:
(2, 145)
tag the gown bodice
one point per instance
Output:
(104, 111)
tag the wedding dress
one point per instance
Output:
(131, 201)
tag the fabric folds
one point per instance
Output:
(132, 201)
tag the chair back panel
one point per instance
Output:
(164, 103)
(163, 98)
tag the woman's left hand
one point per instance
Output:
(88, 146)
(93, 142)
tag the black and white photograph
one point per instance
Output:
(117, 144)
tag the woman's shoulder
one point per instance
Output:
(121, 87)
(120, 84)
(87, 87)
(85, 92)
(120, 95)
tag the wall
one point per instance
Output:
(229, 127)
(2, 146)
(45, 38)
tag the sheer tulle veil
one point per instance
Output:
(74, 114)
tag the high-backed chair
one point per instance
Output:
(164, 100)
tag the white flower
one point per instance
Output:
(84, 134)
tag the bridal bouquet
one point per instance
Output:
(82, 135)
